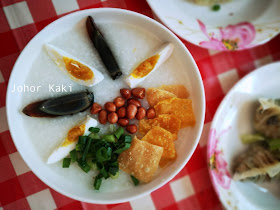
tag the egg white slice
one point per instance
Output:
(164, 53)
(58, 56)
(62, 150)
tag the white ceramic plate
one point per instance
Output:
(132, 36)
(233, 118)
(237, 25)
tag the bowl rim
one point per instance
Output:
(175, 172)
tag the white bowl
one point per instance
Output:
(233, 118)
(244, 23)
(73, 182)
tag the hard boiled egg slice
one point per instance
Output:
(77, 70)
(69, 143)
(149, 65)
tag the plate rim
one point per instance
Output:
(174, 30)
(128, 12)
(218, 113)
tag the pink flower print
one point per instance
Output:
(218, 166)
(232, 37)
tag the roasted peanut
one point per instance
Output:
(123, 122)
(126, 94)
(134, 101)
(131, 128)
(95, 108)
(151, 113)
(112, 117)
(141, 113)
(119, 102)
(131, 111)
(121, 112)
(138, 93)
(102, 117)
(110, 107)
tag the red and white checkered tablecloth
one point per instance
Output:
(20, 20)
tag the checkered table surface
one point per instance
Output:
(20, 20)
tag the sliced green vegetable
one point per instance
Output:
(66, 162)
(216, 7)
(135, 180)
(109, 138)
(83, 165)
(94, 136)
(74, 156)
(119, 132)
(94, 130)
(122, 148)
(82, 140)
(102, 170)
(274, 144)
(79, 147)
(251, 138)
(115, 176)
(102, 155)
(97, 182)
(86, 149)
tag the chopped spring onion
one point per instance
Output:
(251, 138)
(82, 140)
(109, 138)
(79, 147)
(135, 181)
(102, 155)
(122, 148)
(94, 136)
(74, 156)
(274, 144)
(94, 130)
(97, 182)
(66, 162)
(115, 176)
(119, 132)
(102, 170)
(216, 7)
(112, 128)
(86, 149)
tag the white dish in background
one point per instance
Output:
(233, 118)
(132, 37)
(244, 24)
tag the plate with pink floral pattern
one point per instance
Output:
(232, 25)
(233, 118)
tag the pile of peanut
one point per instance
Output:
(123, 109)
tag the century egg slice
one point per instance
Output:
(77, 70)
(149, 65)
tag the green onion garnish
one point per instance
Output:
(109, 138)
(251, 138)
(97, 182)
(274, 144)
(66, 162)
(101, 154)
(115, 176)
(122, 148)
(94, 136)
(119, 132)
(94, 130)
(86, 149)
(135, 181)
(216, 7)
(82, 140)
(73, 155)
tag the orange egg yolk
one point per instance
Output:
(145, 67)
(74, 133)
(78, 70)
